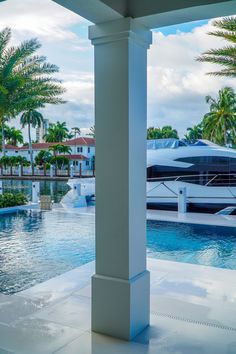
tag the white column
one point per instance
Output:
(121, 285)
(1, 189)
(35, 192)
(182, 200)
(51, 171)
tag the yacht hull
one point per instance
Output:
(164, 195)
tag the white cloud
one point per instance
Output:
(177, 83)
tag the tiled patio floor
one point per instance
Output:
(193, 311)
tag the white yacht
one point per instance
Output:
(206, 170)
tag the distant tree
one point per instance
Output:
(226, 56)
(35, 119)
(57, 133)
(76, 132)
(92, 131)
(221, 119)
(165, 132)
(60, 148)
(14, 136)
(43, 158)
(194, 133)
(60, 161)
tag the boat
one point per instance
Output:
(205, 170)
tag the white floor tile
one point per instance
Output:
(75, 311)
(35, 336)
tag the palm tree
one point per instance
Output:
(92, 131)
(60, 148)
(221, 120)
(35, 119)
(168, 132)
(226, 56)
(14, 136)
(25, 80)
(57, 132)
(76, 131)
(43, 158)
(194, 133)
(165, 132)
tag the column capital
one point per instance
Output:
(125, 28)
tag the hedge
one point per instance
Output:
(11, 200)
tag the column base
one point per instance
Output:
(120, 308)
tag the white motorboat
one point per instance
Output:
(207, 172)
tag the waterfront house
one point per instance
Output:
(82, 152)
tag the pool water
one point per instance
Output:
(36, 246)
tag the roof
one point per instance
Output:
(82, 141)
(38, 146)
(75, 157)
(11, 147)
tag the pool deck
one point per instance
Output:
(193, 311)
(170, 216)
(192, 218)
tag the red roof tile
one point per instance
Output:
(11, 147)
(80, 141)
(75, 157)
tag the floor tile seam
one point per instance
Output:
(68, 343)
(192, 321)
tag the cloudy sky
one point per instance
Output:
(177, 84)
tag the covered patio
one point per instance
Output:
(190, 321)
(121, 36)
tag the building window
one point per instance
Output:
(88, 150)
(28, 152)
(77, 163)
(79, 149)
(16, 151)
(87, 163)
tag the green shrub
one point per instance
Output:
(10, 199)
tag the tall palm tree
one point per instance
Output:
(35, 119)
(226, 56)
(14, 136)
(221, 120)
(25, 79)
(57, 132)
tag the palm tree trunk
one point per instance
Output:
(31, 150)
(3, 139)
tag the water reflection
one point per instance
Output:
(56, 189)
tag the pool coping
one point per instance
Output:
(14, 209)
(192, 218)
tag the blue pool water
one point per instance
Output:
(36, 246)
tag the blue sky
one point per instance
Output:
(177, 84)
(184, 27)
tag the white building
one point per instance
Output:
(42, 130)
(82, 152)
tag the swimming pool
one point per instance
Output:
(36, 246)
